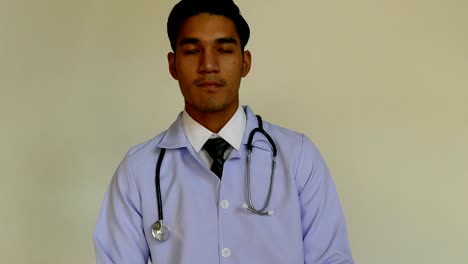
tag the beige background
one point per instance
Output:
(380, 86)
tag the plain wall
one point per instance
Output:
(379, 86)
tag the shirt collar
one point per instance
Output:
(232, 132)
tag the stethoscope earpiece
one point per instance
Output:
(247, 207)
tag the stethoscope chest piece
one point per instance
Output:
(160, 231)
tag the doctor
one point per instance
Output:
(208, 192)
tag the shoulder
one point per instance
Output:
(146, 149)
(290, 139)
(302, 155)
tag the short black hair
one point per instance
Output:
(188, 8)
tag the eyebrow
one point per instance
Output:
(186, 41)
(226, 40)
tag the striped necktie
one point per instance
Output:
(216, 148)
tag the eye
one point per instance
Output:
(191, 51)
(223, 50)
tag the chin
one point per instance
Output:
(212, 108)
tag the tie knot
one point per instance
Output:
(216, 147)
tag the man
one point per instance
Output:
(213, 202)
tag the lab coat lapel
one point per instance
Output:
(174, 137)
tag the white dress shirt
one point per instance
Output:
(197, 134)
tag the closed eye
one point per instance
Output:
(225, 51)
(191, 51)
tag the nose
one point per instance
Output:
(208, 62)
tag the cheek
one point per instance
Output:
(236, 67)
(186, 65)
(184, 73)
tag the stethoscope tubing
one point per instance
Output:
(251, 206)
(158, 183)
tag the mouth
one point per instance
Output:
(209, 84)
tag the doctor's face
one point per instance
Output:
(208, 63)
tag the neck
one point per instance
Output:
(212, 120)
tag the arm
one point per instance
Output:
(119, 236)
(323, 224)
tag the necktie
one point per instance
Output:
(216, 148)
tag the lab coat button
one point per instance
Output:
(226, 252)
(225, 204)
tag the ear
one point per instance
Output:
(246, 62)
(171, 62)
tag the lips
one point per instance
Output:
(209, 83)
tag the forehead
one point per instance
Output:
(207, 27)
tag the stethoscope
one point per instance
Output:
(161, 231)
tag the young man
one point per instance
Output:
(279, 205)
